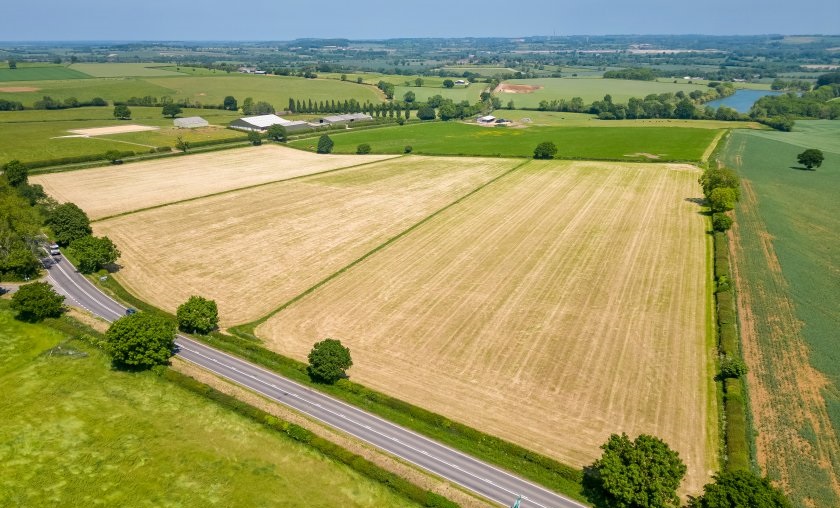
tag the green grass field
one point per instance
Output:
(589, 89)
(39, 135)
(482, 70)
(40, 73)
(789, 259)
(455, 138)
(119, 70)
(77, 433)
(204, 89)
(460, 93)
(587, 120)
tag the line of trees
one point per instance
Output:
(817, 104)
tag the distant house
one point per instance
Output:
(190, 122)
(487, 119)
(461, 82)
(263, 122)
(247, 70)
(345, 119)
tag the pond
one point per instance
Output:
(742, 100)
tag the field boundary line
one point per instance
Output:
(247, 187)
(712, 148)
(253, 324)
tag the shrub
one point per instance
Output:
(545, 150)
(721, 222)
(362, 149)
(325, 144)
(408, 149)
(732, 368)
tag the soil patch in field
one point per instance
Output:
(117, 129)
(18, 89)
(643, 154)
(508, 88)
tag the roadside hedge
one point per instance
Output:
(304, 436)
(72, 160)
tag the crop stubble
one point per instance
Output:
(254, 249)
(558, 305)
(107, 191)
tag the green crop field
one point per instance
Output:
(41, 135)
(455, 138)
(204, 89)
(459, 93)
(478, 69)
(119, 70)
(586, 120)
(77, 433)
(47, 72)
(589, 89)
(787, 256)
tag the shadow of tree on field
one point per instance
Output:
(802, 168)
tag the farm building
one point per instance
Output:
(487, 119)
(190, 122)
(345, 119)
(461, 82)
(263, 122)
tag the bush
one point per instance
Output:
(737, 449)
(198, 315)
(721, 222)
(545, 150)
(732, 368)
(325, 144)
(362, 149)
(37, 301)
(408, 149)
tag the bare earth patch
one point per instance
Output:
(560, 304)
(643, 154)
(18, 89)
(117, 129)
(254, 249)
(107, 191)
(508, 88)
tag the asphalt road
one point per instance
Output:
(457, 467)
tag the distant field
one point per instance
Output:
(40, 135)
(206, 89)
(787, 255)
(77, 433)
(459, 93)
(589, 89)
(560, 119)
(484, 71)
(113, 190)
(48, 72)
(254, 249)
(567, 285)
(118, 70)
(455, 138)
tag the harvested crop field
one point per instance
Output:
(116, 129)
(507, 88)
(18, 89)
(107, 191)
(254, 249)
(557, 305)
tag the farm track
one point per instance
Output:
(563, 285)
(253, 249)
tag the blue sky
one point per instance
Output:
(358, 19)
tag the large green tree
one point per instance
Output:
(811, 158)
(121, 112)
(325, 144)
(36, 301)
(171, 110)
(277, 133)
(642, 473)
(426, 112)
(230, 103)
(140, 341)
(93, 253)
(545, 150)
(722, 199)
(448, 83)
(255, 138)
(713, 178)
(198, 315)
(328, 361)
(16, 173)
(740, 489)
(68, 223)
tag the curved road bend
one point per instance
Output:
(464, 470)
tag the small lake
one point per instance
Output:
(742, 100)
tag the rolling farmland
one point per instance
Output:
(254, 249)
(589, 89)
(577, 287)
(787, 265)
(113, 190)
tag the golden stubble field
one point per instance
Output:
(561, 303)
(253, 249)
(107, 191)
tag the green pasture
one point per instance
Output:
(586, 120)
(801, 212)
(110, 89)
(589, 89)
(459, 93)
(46, 72)
(120, 70)
(39, 135)
(456, 138)
(78, 433)
(487, 72)
(372, 78)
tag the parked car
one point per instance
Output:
(129, 311)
